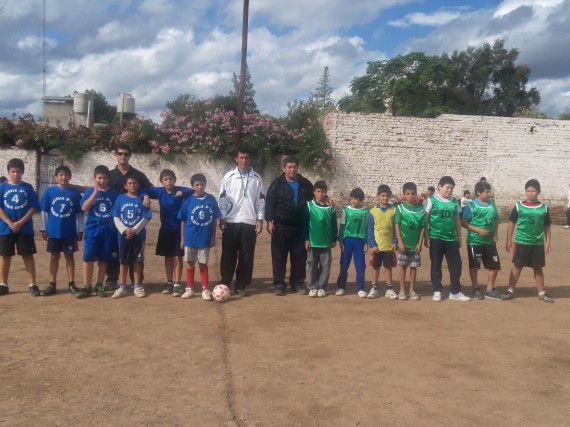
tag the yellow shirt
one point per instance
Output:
(384, 228)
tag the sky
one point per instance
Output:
(159, 49)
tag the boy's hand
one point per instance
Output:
(509, 246)
(547, 248)
(426, 243)
(394, 247)
(365, 247)
(146, 201)
(130, 233)
(373, 250)
(178, 194)
(307, 245)
(95, 186)
(15, 227)
(79, 237)
(418, 248)
(495, 238)
(222, 225)
(341, 245)
(258, 226)
(270, 227)
(44, 235)
(482, 232)
(333, 244)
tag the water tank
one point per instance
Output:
(126, 104)
(80, 101)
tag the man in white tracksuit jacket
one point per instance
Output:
(242, 203)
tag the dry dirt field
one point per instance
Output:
(286, 361)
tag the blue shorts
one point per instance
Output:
(131, 250)
(100, 244)
(67, 246)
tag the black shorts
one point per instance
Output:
(168, 243)
(25, 244)
(131, 250)
(388, 259)
(529, 255)
(67, 246)
(487, 254)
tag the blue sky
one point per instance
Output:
(158, 49)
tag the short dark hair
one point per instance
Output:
(64, 169)
(409, 186)
(290, 159)
(101, 170)
(383, 188)
(123, 146)
(446, 180)
(357, 193)
(466, 192)
(166, 172)
(198, 177)
(15, 164)
(481, 186)
(431, 188)
(133, 177)
(533, 183)
(321, 185)
(482, 179)
(243, 150)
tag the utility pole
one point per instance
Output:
(241, 92)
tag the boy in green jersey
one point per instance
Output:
(532, 239)
(410, 226)
(321, 234)
(352, 241)
(481, 219)
(444, 239)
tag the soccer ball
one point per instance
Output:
(221, 293)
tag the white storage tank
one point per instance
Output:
(126, 104)
(80, 101)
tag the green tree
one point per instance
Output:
(564, 116)
(249, 97)
(322, 95)
(102, 111)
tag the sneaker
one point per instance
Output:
(567, 227)
(4, 290)
(437, 296)
(167, 289)
(459, 296)
(508, 295)
(494, 294)
(321, 293)
(189, 293)
(34, 291)
(302, 291)
(75, 291)
(100, 290)
(139, 292)
(414, 296)
(279, 292)
(402, 295)
(86, 291)
(546, 298)
(373, 293)
(340, 292)
(362, 294)
(177, 290)
(206, 295)
(313, 293)
(111, 285)
(477, 295)
(119, 293)
(241, 293)
(390, 293)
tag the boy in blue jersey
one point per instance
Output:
(198, 215)
(18, 202)
(100, 243)
(61, 225)
(170, 198)
(131, 217)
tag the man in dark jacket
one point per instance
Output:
(285, 210)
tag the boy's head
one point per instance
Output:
(243, 156)
(101, 175)
(445, 186)
(167, 179)
(532, 183)
(384, 193)
(483, 190)
(356, 197)
(15, 164)
(132, 185)
(431, 189)
(532, 190)
(320, 191)
(410, 192)
(466, 193)
(198, 183)
(62, 175)
(15, 170)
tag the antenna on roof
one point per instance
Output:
(44, 58)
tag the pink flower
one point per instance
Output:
(19, 142)
(165, 148)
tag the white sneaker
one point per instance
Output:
(567, 226)
(362, 294)
(437, 296)
(139, 292)
(321, 293)
(402, 295)
(177, 290)
(390, 293)
(373, 293)
(313, 293)
(121, 292)
(189, 292)
(206, 295)
(459, 297)
(340, 292)
(414, 296)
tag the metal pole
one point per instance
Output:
(241, 92)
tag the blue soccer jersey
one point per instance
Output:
(101, 211)
(63, 207)
(130, 210)
(169, 205)
(16, 200)
(199, 215)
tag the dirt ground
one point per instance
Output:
(286, 361)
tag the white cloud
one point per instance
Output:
(433, 20)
